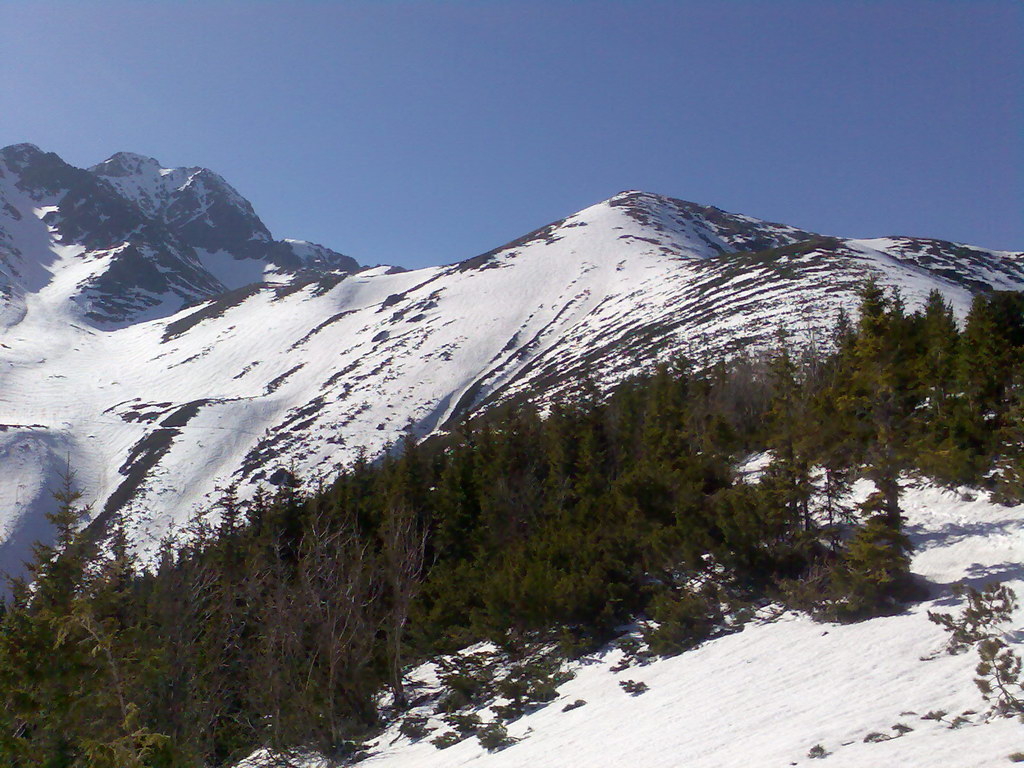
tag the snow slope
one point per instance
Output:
(767, 695)
(155, 407)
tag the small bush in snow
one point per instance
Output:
(622, 665)
(985, 610)
(1000, 677)
(574, 643)
(632, 687)
(465, 723)
(446, 740)
(574, 705)
(467, 679)
(633, 652)
(526, 686)
(1017, 757)
(901, 729)
(494, 736)
(817, 752)
(684, 620)
(414, 727)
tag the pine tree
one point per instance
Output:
(788, 476)
(46, 667)
(1010, 464)
(873, 576)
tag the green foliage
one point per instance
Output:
(1010, 465)
(465, 679)
(873, 577)
(464, 723)
(682, 621)
(1000, 677)
(414, 727)
(494, 737)
(985, 610)
(445, 740)
(526, 686)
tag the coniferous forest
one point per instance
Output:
(289, 620)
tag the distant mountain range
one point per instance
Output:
(156, 337)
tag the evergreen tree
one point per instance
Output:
(788, 477)
(873, 577)
(1010, 464)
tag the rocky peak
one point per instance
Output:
(205, 212)
(127, 164)
(17, 156)
(143, 239)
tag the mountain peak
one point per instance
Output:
(17, 156)
(627, 193)
(126, 164)
(642, 197)
(205, 212)
(720, 230)
(22, 148)
(147, 183)
(142, 239)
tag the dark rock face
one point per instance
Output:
(145, 265)
(305, 259)
(205, 212)
(91, 214)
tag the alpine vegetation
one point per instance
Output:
(517, 543)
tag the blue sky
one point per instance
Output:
(419, 133)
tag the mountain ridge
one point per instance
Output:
(159, 398)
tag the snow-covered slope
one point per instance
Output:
(156, 410)
(769, 694)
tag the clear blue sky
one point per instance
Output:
(424, 132)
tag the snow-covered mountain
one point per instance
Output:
(155, 404)
(128, 240)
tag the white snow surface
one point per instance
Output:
(766, 695)
(155, 416)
